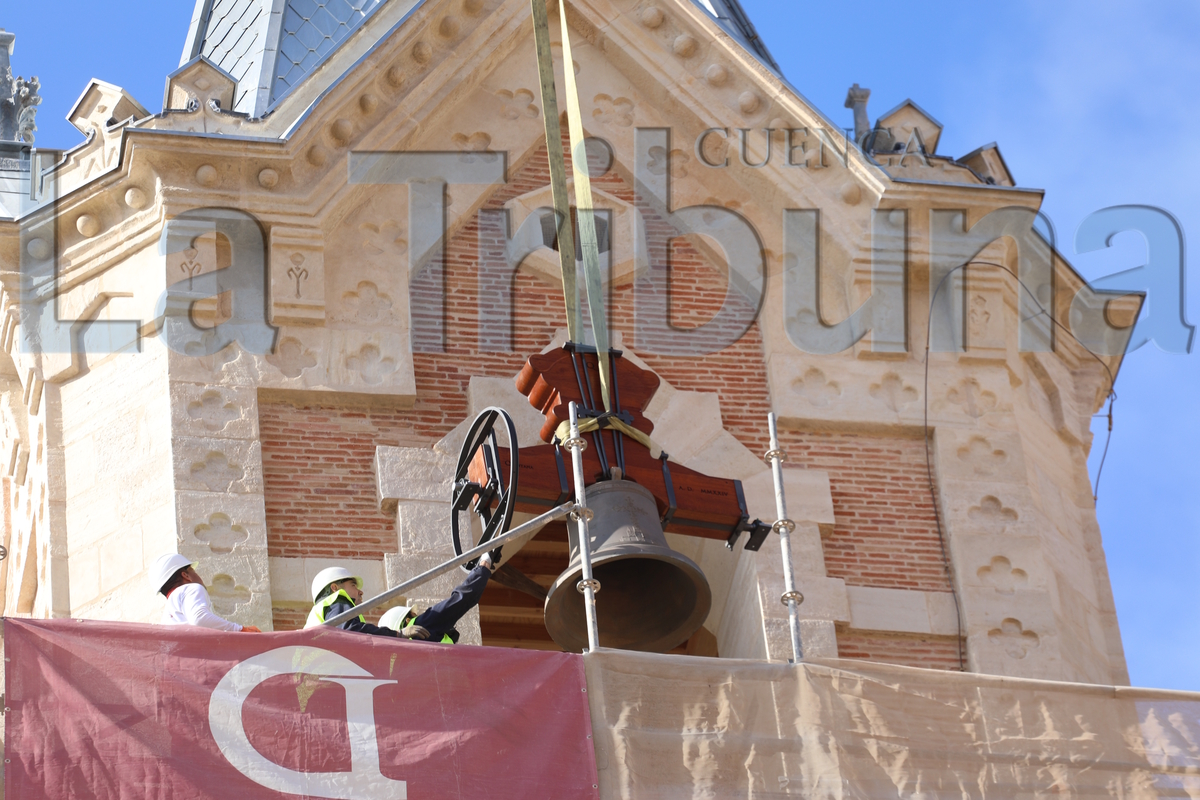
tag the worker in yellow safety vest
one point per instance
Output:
(336, 590)
(401, 618)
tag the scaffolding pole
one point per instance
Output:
(784, 527)
(587, 586)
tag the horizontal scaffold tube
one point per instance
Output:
(441, 569)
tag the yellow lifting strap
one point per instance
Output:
(583, 191)
(593, 424)
(558, 169)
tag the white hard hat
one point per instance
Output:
(331, 575)
(164, 567)
(394, 617)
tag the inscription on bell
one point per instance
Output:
(632, 533)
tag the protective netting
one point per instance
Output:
(101, 709)
(110, 710)
(680, 727)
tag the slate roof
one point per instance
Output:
(271, 46)
(734, 20)
(312, 29)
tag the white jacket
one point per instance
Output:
(189, 605)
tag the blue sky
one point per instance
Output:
(1096, 102)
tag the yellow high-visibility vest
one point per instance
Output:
(317, 615)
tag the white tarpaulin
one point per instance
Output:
(684, 727)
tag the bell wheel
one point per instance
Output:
(484, 493)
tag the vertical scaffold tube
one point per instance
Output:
(784, 527)
(587, 586)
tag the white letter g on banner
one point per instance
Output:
(365, 779)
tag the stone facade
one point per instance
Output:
(335, 442)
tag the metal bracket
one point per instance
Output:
(576, 347)
(744, 522)
(758, 529)
(758, 534)
(672, 505)
(467, 491)
(564, 489)
(604, 416)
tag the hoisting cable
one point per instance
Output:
(558, 169)
(585, 210)
(586, 216)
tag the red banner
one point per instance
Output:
(117, 710)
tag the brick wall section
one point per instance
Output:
(930, 652)
(319, 486)
(884, 535)
(287, 618)
(318, 478)
(696, 289)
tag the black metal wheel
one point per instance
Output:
(493, 500)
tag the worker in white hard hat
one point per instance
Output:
(397, 617)
(402, 619)
(336, 589)
(188, 603)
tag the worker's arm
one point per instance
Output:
(197, 609)
(354, 624)
(439, 619)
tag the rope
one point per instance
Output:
(596, 423)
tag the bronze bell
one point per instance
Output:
(651, 598)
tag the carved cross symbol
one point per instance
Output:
(191, 266)
(613, 111)
(371, 364)
(892, 392)
(299, 274)
(816, 389)
(1013, 638)
(979, 315)
(1001, 574)
(227, 594)
(517, 104)
(221, 535)
(291, 357)
(974, 400)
